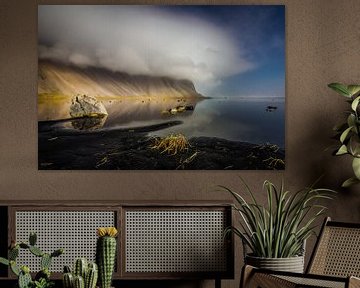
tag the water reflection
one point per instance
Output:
(147, 111)
(123, 112)
(88, 123)
(232, 119)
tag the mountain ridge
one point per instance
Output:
(59, 78)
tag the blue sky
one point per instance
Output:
(260, 31)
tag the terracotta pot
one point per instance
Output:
(291, 264)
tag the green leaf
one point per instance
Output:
(32, 238)
(349, 182)
(57, 252)
(4, 261)
(351, 120)
(340, 88)
(355, 103)
(353, 89)
(279, 228)
(342, 150)
(354, 145)
(345, 134)
(13, 253)
(14, 268)
(356, 167)
(340, 127)
(23, 245)
(36, 251)
(45, 261)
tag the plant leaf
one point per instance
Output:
(345, 134)
(342, 150)
(279, 228)
(356, 167)
(4, 261)
(14, 268)
(351, 120)
(340, 127)
(349, 182)
(355, 103)
(340, 88)
(354, 145)
(353, 89)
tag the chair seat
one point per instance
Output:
(335, 262)
(267, 279)
(315, 282)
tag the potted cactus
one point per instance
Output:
(106, 254)
(85, 275)
(42, 278)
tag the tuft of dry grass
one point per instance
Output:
(171, 144)
(275, 163)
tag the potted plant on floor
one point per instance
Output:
(276, 233)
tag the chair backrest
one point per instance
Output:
(337, 251)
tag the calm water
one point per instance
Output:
(232, 119)
(238, 120)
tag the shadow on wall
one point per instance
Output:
(316, 149)
(315, 161)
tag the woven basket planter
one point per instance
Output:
(291, 264)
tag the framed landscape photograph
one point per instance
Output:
(150, 87)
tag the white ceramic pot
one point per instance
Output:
(291, 264)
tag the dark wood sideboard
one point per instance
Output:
(164, 240)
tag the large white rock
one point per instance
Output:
(86, 106)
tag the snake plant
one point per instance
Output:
(279, 228)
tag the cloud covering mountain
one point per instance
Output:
(70, 80)
(140, 40)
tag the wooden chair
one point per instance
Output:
(334, 263)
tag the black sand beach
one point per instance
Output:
(129, 149)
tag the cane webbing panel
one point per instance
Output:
(338, 252)
(260, 280)
(313, 282)
(175, 241)
(75, 231)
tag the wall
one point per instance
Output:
(322, 46)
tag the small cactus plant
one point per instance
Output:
(79, 282)
(81, 267)
(106, 254)
(85, 275)
(42, 278)
(68, 278)
(91, 276)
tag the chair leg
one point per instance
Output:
(217, 283)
